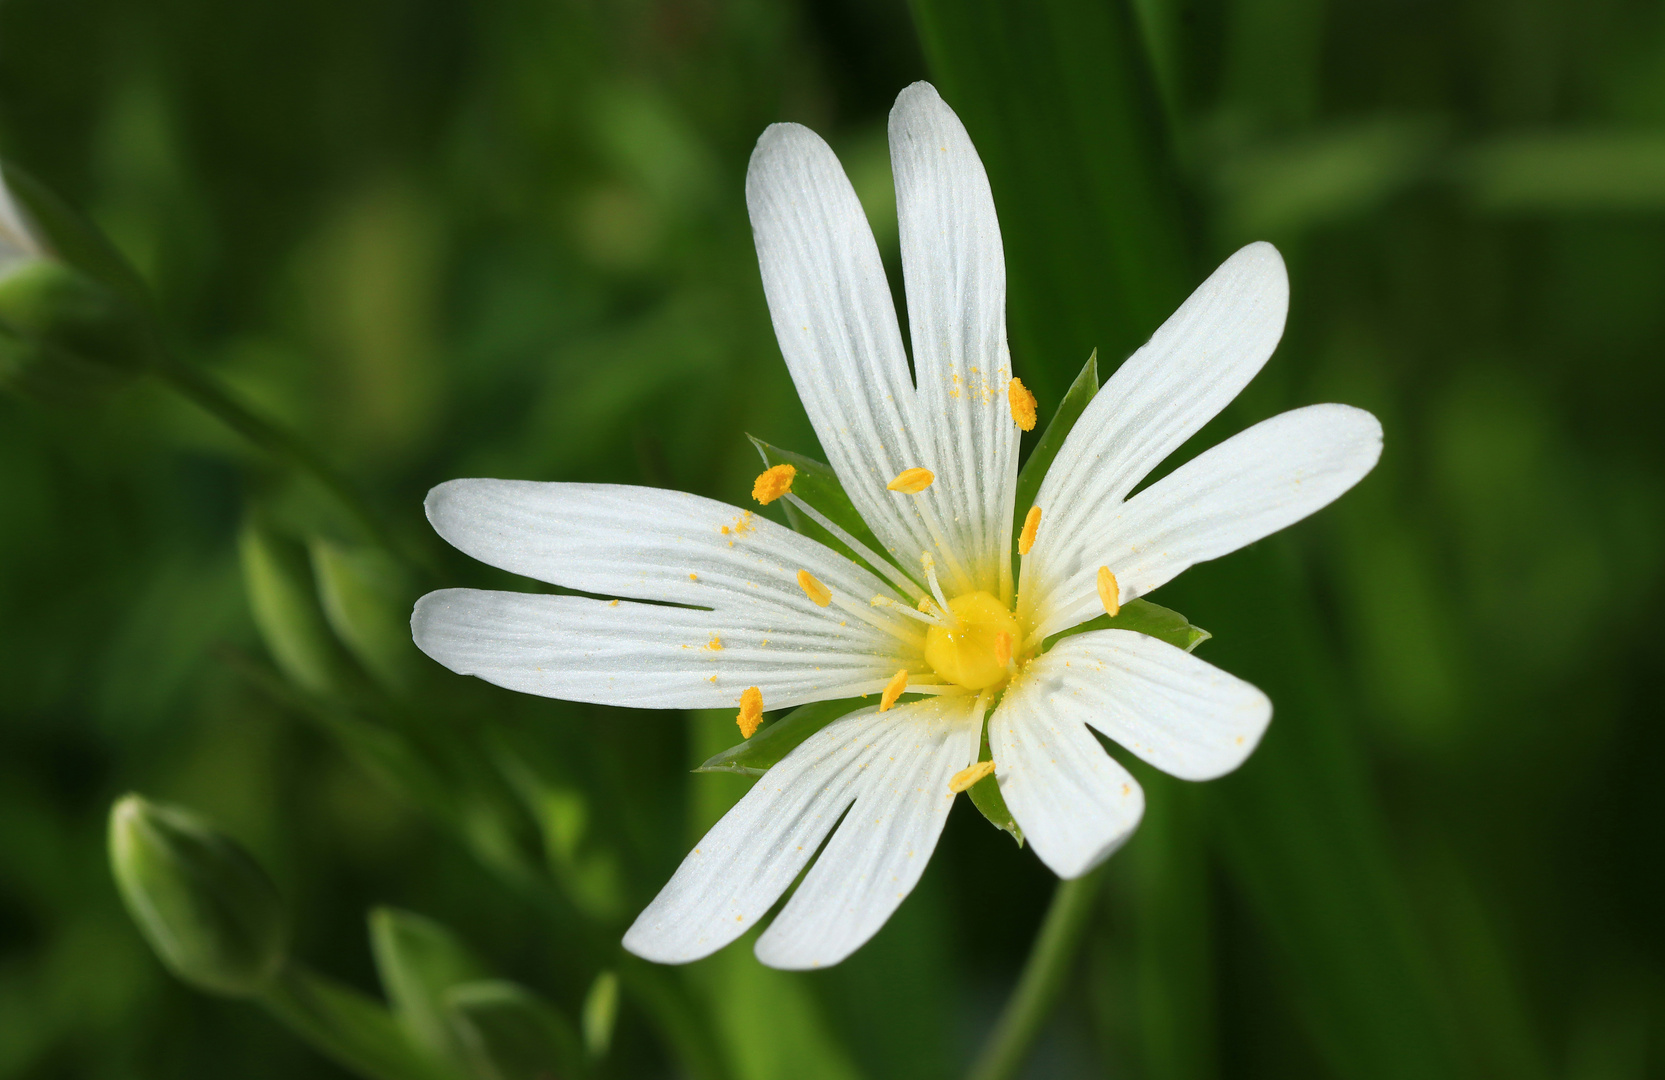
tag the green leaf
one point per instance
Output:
(600, 1014)
(817, 485)
(985, 796)
(509, 1033)
(773, 742)
(1143, 617)
(1070, 408)
(419, 960)
(367, 600)
(284, 601)
(350, 1027)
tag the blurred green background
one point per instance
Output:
(508, 238)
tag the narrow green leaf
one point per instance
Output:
(284, 601)
(350, 1027)
(985, 796)
(419, 960)
(770, 744)
(1143, 617)
(1070, 408)
(818, 486)
(600, 1014)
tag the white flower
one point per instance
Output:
(17, 242)
(761, 611)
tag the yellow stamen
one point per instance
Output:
(1003, 648)
(1109, 593)
(1022, 403)
(893, 690)
(912, 481)
(969, 775)
(772, 483)
(751, 711)
(1031, 526)
(814, 589)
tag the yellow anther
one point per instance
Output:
(1003, 648)
(1022, 403)
(912, 481)
(1109, 593)
(969, 775)
(751, 711)
(772, 483)
(1031, 526)
(814, 589)
(893, 690)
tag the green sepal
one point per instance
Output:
(985, 796)
(770, 744)
(1069, 410)
(818, 485)
(1143, 617)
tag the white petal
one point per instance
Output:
(16, 241)
(735, 571)
(1192, 367)
(1180, 713)
(741, 867)
(955, 272)
(1250, 486)
(646, 656)
(879, 851)
(837, 329)
(1075, 803)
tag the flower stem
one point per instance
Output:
(1049, 964)
(281, 443)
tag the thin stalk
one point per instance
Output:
(1050, 961)
(281, 443)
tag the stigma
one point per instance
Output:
(975, 650)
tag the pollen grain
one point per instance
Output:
(751, 711)
(814, 589)
(773, 482)
(1022, 403)
(912, 481)
(1031, 526)
(893, 690)
(969, 776)
(1109, 593)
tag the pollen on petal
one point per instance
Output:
(751, 711)
(814, 589)
(912, 481)
(772, 483)
(1031, 526)
(1022, 403)
(1003, 648)
(716, 643)
(969, 775)
(1109, 593)
(893, 690)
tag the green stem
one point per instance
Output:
(351, 1028)
(1049, 964)
(281, 443)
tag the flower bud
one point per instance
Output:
(63, 286)
(200, 899)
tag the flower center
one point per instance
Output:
(976, 651)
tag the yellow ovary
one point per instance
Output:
(970, 652)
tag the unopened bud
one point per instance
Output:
(200, 899)
(64, 287)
